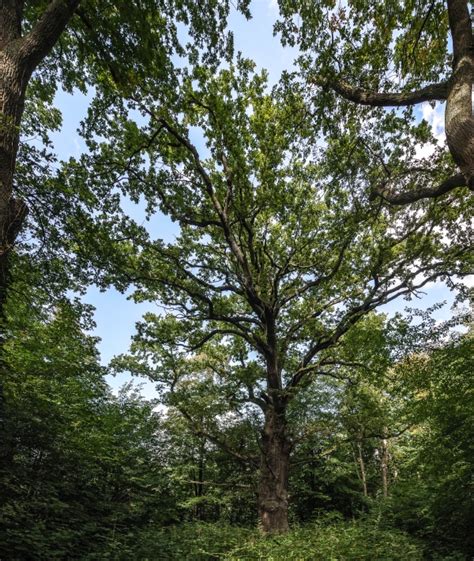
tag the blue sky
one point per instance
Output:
(115, 315)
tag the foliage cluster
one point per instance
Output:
(79, 467)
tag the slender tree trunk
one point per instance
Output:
(363, 475)
(199, 485)
(275, 460)
(384, 457)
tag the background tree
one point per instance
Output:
(110, 56)
(81, 470)
(433, 496)
(210, 484)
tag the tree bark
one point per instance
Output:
(395, 197)
(361, 96)
(459, 121)
(12, 211)
(275, 460)
(13, 81)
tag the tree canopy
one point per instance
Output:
(276, 259)
(47, 45)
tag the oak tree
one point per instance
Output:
(275, 261)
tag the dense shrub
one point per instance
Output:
(329, 540)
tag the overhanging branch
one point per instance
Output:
(223, 445)
(419, 193)
(433, 92)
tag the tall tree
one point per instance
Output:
(276, 259)
(387, 54)
(20, 54)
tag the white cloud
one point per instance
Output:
(468, 281)
(273, 5)
(435, 117)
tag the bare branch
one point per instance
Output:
(374, 299)
(214, 332)
(200, 431)
(215, 484)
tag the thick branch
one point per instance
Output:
(42, 38)
(361, 96)
(419, 193)
(461, 28)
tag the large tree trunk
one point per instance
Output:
(459, 105)
(14, 78)
(12, 210)
(275, 460)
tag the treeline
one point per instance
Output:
(382, 463)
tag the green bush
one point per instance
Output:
(338, 541)
(190, 542)
(327, 540)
